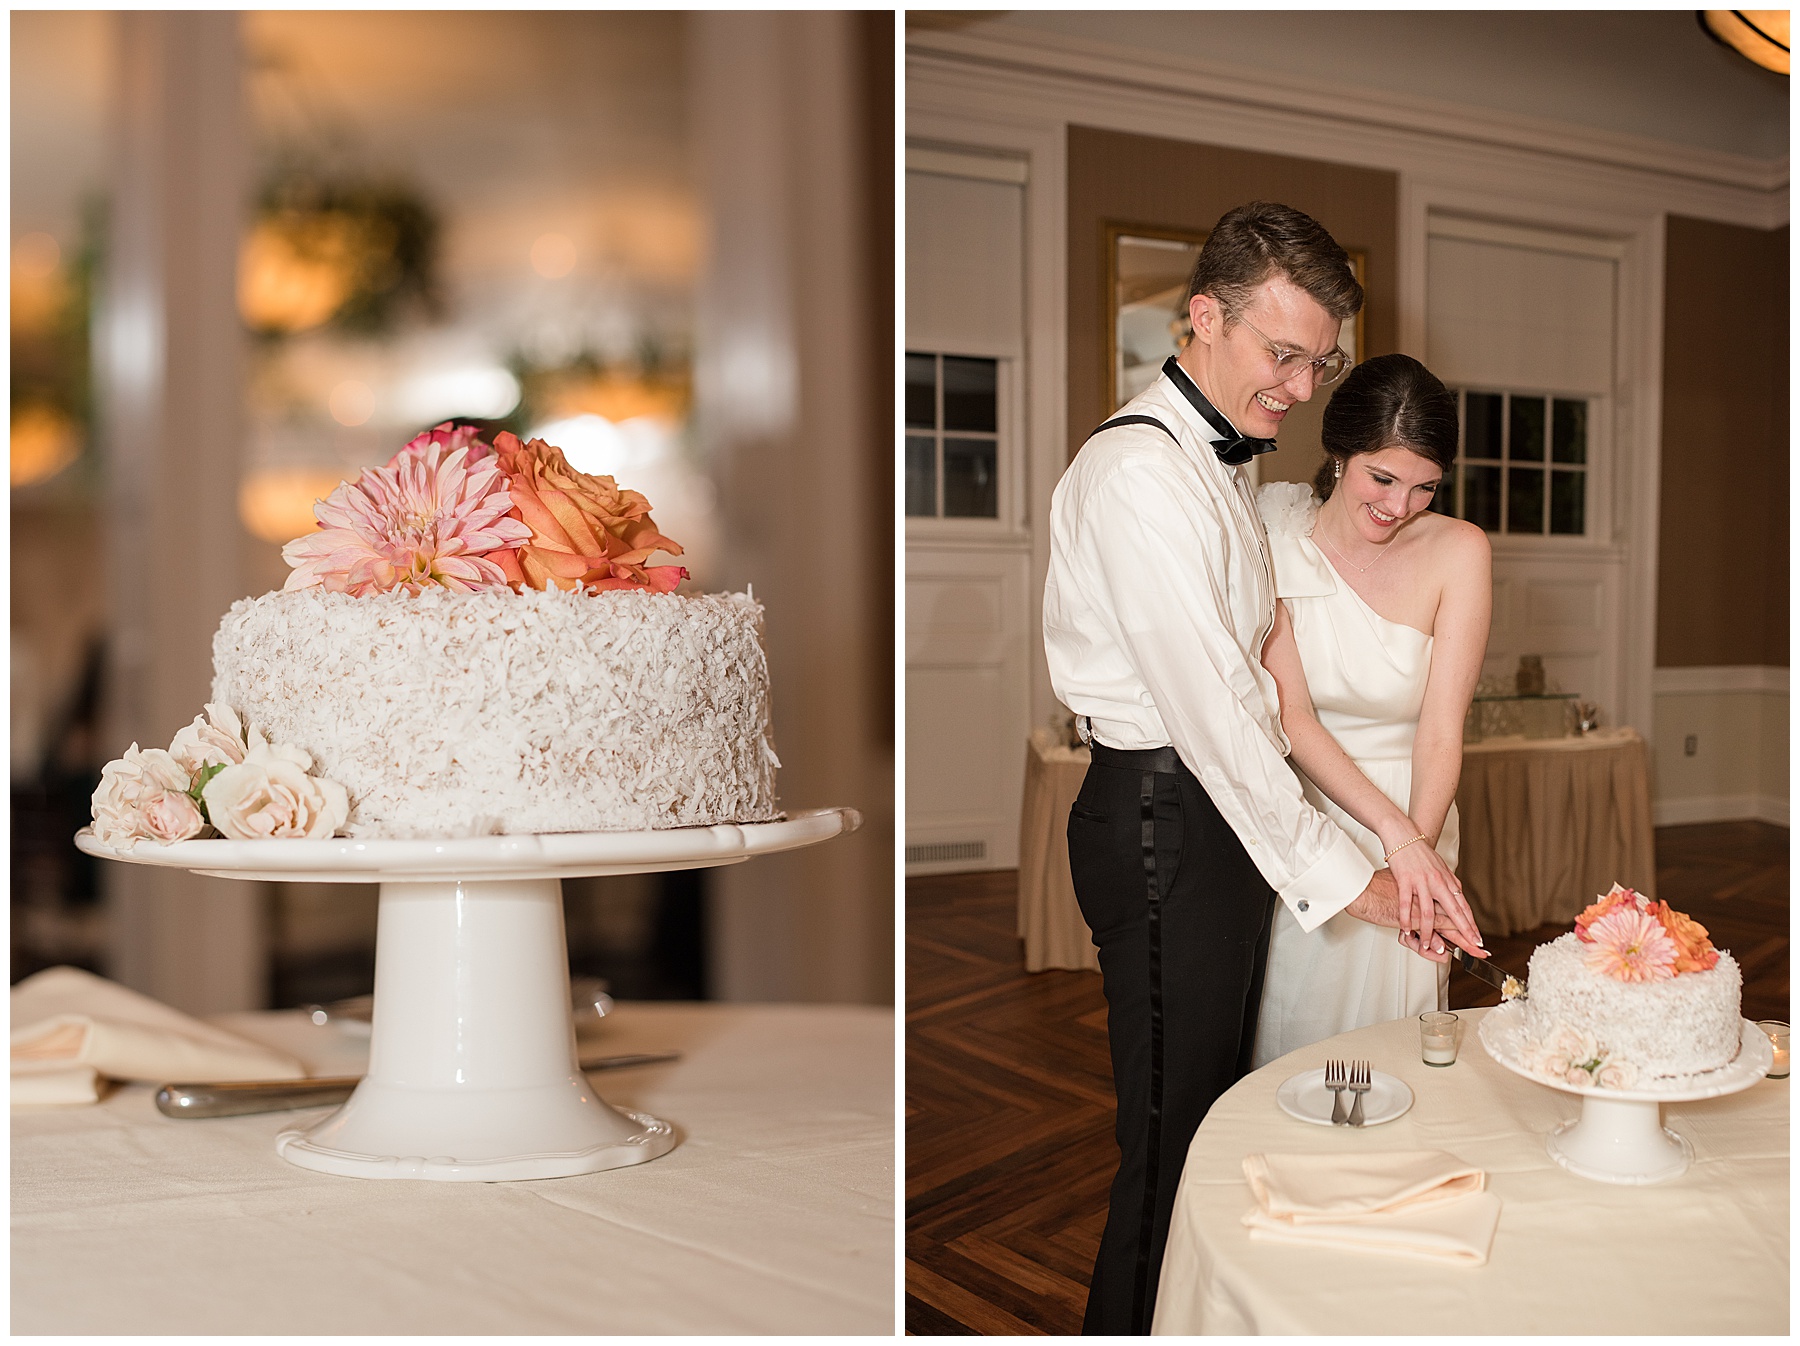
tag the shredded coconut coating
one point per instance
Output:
(498, 712)
(1687, 1025)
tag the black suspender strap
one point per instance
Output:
(1136, 420)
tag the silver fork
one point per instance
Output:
(1334, 1081)
(1359, 1085)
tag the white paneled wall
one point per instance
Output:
(1735, 721)
(1530, 310)
(968, 669)
(966, 711)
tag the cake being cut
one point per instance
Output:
(1635, 995)
(473, 642)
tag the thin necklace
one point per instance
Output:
(1361, 570)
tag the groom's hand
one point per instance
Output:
(1379, 904)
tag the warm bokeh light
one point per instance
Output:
(481, 392)
(277, 506)
(287, 288)
(352, 402)
(553, 255)
(39, 286)
(44, 442)
(620, 397)
(36, 255)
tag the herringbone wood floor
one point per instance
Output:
(1009, 1092)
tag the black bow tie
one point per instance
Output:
(1234, 449)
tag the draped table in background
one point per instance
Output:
(1547, 824)
(1050, 920)
(1704, 1253)
(774, 1214)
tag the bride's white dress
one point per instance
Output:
(1367, 678)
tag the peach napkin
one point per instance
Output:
(70, 1028)
(1408, 1203)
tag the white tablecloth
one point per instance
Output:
(775, 1213)
(1704, 1253)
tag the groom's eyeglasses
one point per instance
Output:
(1326, 369)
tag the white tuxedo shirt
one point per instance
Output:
(1157, 602)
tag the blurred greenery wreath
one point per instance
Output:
(358, 254)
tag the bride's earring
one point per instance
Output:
(1337, 469)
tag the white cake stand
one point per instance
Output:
(472, 1067)
(1619, 1136)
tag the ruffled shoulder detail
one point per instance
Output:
(1301, 570)
(1287, 508)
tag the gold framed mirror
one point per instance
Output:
(1146, 270)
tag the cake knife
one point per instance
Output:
(233, 1098)
(1485, 969)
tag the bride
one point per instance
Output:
(1377, 645)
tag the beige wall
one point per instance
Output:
(1146, 180)
(1722, 594)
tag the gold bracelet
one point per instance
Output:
(1402, 846)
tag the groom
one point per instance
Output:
(1190, 822)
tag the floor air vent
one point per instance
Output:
(936, 852)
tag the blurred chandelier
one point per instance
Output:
(1760, 35)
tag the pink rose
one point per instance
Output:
(1578, 1076)
(170, 816)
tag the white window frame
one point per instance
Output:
(1008, 524)
(1595, 538)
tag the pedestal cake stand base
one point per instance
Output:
(1618, 1136)
(473, 1074)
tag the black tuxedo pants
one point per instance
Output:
(1181, 918)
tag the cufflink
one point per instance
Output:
(1302, 905)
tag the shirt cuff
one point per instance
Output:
(1333, 882)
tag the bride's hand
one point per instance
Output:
(1431, 902)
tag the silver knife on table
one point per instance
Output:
(234, 1098)
(1511, 987)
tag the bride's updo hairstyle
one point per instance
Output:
(1389, 402)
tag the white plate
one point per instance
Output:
(1306, 1097)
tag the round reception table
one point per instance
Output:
(1704, 1253)
(774, 1215)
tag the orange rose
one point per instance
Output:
(586, 533)
(1693, 950)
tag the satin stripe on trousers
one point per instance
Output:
(1181, 918)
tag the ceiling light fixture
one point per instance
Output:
(1760, 35)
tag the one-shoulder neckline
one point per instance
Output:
(1367, 606)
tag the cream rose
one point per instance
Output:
(129, 785)
(1616, 1075)
(270, 794)
(213, 739)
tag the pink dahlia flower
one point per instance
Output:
(426, 519)
(1630, 945)
(450, 436)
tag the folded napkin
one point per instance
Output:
(70, 1027)
(1410, 1203)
